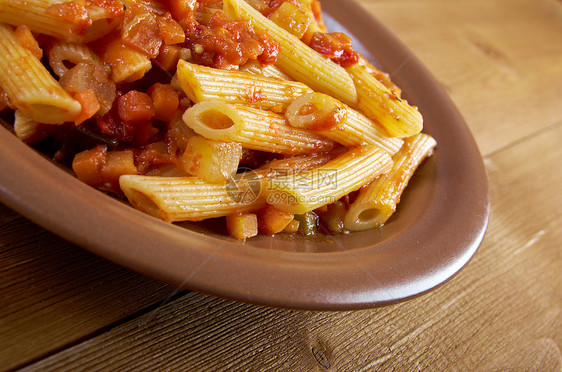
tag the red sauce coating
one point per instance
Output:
(114, 8)
(336, 46)
(137, 129)
(73, 13)
(328, 121)
(226, 43)
(274, 4)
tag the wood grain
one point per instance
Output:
(62, 308)
(487, 54)
(502, 312)
(53, 294)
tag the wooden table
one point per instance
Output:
(62, 308)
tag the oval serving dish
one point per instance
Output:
(439, 224)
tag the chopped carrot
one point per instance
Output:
(135, 106)
(165, 100)
(272, 220)
(140, 31)
(90, 105)
(88, 165)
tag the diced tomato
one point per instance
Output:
(182, 9)
(136, 132)
(111, 124)
(225, 43)
(165, 99)
(153, 156)
(73, 13)
(90, 105)
(171, 31)
(140, 31)
(336, 46)
(113, 7)
(135, 106)
(143, 133)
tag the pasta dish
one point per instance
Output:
(249, 111)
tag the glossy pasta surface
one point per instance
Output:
(250, 112)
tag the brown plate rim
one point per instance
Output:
(378, 270)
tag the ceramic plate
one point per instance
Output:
(439, 224)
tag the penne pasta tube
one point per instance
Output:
(256, 68)
(62, 19)
(202, 83)
(381, 76)
(127, 64)
(295, 164)
(30, 87)
(327, 116)
(378, 103)
(309, 190)
(297, 59)
(377, 201)
(175, 199)
(24, 127)
(254, 128)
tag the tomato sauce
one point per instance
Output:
(73, 13)
(225, 43)
(336, 46)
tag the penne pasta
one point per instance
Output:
(184, 198)
(175, 199)
(24, 127)
(325, 115)
(253, 128)
(202, 83)
(380, 104)
(29, 85)
(256, 68)
(298, 60)
(63, 19)
(309, 190)
(255, 112)
(127, 64)
(377, 202)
